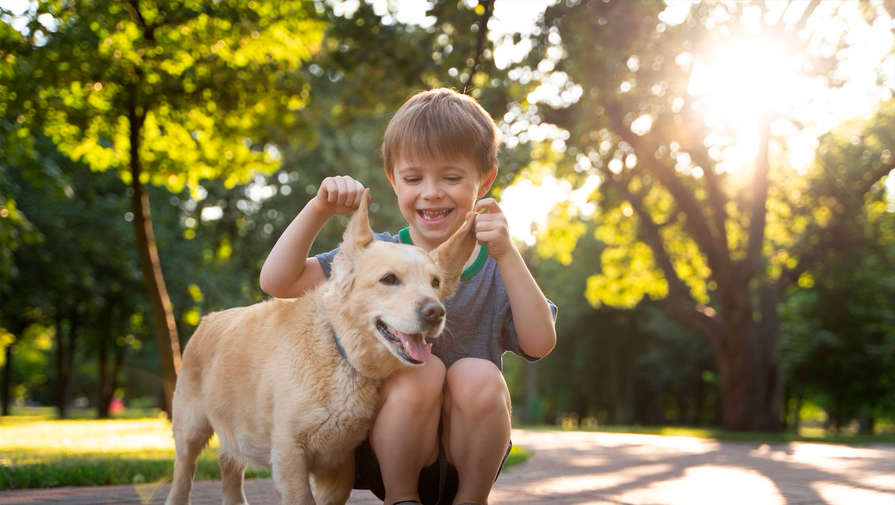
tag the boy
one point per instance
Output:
(442, 427)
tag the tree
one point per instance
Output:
(681, 226)
(165, 93)
(838, 324)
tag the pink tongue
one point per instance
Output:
(414, 346)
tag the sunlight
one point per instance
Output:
(738, 83)
(735, 87)
(528, 205)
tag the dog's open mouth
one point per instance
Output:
(412, 348)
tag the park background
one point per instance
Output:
(701, 187)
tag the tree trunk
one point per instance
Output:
(7, 380)
(750, 386)
(102, 403)
(65, 345)
(108, 380)
(154, 281)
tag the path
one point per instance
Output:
(613, 469)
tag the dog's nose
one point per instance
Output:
(432, 311)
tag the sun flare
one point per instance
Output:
(737, 86)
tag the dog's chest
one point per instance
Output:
(348, 419)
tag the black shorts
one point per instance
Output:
(438, 481)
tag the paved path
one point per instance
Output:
(613, 469)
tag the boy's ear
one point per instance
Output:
(487, 181)
(452, 254)
(390, 176)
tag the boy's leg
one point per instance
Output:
(476, 425)
(404, 435)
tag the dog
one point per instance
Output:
(292, 384)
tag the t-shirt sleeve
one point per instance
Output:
(326, 261)
(511, 340)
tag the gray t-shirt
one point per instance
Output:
(479, 319)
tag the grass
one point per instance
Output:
(806, 434)
(517, 455)
(37, 451)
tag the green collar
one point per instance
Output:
(469, 271)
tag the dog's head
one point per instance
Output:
(392, 294)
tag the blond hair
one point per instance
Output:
(441, 124)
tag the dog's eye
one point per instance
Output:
(436, 282)
(390, 279)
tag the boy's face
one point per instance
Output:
(435, 195)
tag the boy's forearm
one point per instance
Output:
(532, 317)
(286, 261)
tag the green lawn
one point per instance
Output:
(37, 451)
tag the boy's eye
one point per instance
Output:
(390, 279)
(412, 180)
(452, 178)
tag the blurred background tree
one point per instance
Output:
(686, 115)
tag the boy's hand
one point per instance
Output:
(338, 195)
(491, 228)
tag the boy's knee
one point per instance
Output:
(417, 387)
(477, 388)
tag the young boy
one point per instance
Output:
(443, 427)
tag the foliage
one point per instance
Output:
(613, 366)
(200, 77)
(839, 326)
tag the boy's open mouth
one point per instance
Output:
(433, 214)
(412, 348)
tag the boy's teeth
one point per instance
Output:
(434, 214)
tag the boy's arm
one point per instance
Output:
(532, 317)
(287, 271)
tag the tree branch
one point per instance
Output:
(815, 252)
(716, 196)
(679, 303)
(676, 286)
(758, 211)
(806, 14)
(696, 221)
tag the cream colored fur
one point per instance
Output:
(270, 381)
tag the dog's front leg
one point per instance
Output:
(332, 485)
(289, 466)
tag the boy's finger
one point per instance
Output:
(343, 192)
(488, 204)
(359, 197)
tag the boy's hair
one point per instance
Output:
(441, 124)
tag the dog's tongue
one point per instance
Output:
(415, 346)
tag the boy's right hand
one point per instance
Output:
(338, 195)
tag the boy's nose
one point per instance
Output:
(431, 191)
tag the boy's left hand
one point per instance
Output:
(491, 228)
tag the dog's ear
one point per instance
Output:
(451, 255)
(358, 234)
(357, 237)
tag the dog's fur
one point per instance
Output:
(270, 379)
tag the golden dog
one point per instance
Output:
(292, 385)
